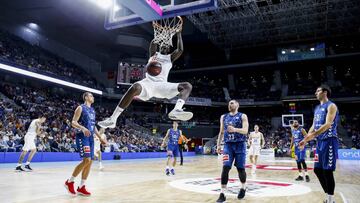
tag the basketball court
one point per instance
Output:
(144, 180)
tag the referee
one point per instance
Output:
(183, 144)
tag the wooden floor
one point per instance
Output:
(144, 181)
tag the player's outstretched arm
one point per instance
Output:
(153, 48)
(179, 49)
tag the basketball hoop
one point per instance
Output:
(165, 29)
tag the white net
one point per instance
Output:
(165, 29)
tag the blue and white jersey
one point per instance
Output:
(236, 122)
(87, 118)
(297, 135)
(174, 136)
(320, 119)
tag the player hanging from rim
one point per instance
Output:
(297, 135)
(256, 142)
(157, 86)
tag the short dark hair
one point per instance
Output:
(85, 94)
(325, 88)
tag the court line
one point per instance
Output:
(343, 197)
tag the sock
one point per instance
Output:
(223, 189)
(243, 186)
(179, 104)
(167, 168)
(27, 163)
(72, 179)
(82, 183)
(300, 174)
(117, 112)
(330, 198)
(18, 165)
(306, 173)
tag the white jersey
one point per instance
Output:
(32, 127)
(166, 65)
(255, 138)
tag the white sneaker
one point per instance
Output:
(107, 123)
(101, 167)
(177, 114)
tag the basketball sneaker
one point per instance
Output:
(101, 167)
(299, 178)
(221, 198)
(167, 172)
(172, 171)
(70, 187)
(83, 191)
(307, 178)
(28, 167)
(241, 194)
(19, 169)
(107, 123)
(179, 114)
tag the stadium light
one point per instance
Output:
(283, 52)
(104, 4)
(312, 49)
(292, 51)
(47, 78)
(33, 26)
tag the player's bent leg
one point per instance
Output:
(178, 113)
(31, 155)
(21, 158)
(125, 101)
(224, 180)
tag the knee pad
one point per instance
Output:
(242, 174)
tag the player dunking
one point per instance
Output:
(84, 122)
(157, 86)
(233, 129)
(297, 135)
(324, 129)
(256, 142)
(29, 145)
(172, 135)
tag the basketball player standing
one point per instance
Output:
(256, 142)
(157, 86)
(297, 135)
(29, 145)
(233, 129)
(84, 122)
(324, 129)
(172, 135)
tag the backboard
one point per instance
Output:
(124, 13)
(288, 119)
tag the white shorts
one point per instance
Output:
(161, 90)
(254, 150)
(29, 142)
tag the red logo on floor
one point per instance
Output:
(274, 167)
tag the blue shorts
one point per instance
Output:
(174, 149)
(234, 151)
(301, 154)
(327, 152)
(85, 145)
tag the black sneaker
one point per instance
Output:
(241, 193)
(167, 172)
(28, 167)
(300, 178)
(19, 169)
(221, 199)
(307, 178)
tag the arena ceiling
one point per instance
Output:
(236, 24)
